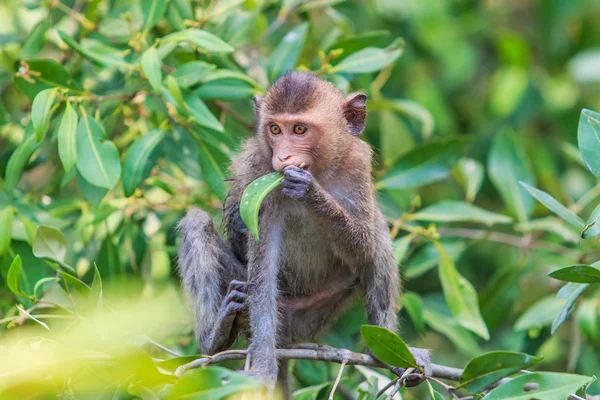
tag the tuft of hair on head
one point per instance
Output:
(292, 93)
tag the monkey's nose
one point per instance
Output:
(283, 157)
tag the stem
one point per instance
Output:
(337, 380)
(86, 23)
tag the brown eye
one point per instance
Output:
(300, 129)
(275, 129)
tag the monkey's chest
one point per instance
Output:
(308, 260)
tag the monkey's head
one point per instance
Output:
(306, 120)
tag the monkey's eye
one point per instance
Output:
(300, 129)
(275, 129)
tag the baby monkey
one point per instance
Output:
(323, 238)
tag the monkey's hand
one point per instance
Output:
(297, 183)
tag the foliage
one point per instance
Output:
(117, 115)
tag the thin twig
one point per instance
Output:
(386, 387)
(225, 108)
(337, 380)
(163, 348)
(397, 387)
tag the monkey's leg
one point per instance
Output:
(214, 280)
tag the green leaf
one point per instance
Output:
(540, 314)
(213, 163)
(460, 295)
(92, 193)
(401, 247)
(370, 59)
(225, 90)
(550, 203)
(13, 278)
(172, 364)
(409, 109)
(447, 325)
(192, 73)
(489, 368)
(414, 306)
(469, 174)
(200, 113)
(253, 197)
(36, 39)
(20, 157)
(98, 160)
(588, 139)
(40, 112)
(96, 52)
(560, 318)
(427, 258)
(152, 10)
(40, 283)
(138, 161)
(151, 67)
(587, 316)
(508, 88)
(539, 385)
(204, 40)
(388, 347)
(425, 164)
(458, 211)
(579, 273)
(96, 296)
(50, 243)
(67, 138)
(395, 137)
(76, 283)
(44, 74)
(212, 383)
(174, 90)
(507, 165)
(6, 221)
(592, 228)
(286, 54)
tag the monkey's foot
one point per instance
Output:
(230, 319)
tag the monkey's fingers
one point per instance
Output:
(297, 175)
(240, 286)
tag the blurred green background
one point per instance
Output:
(466, 99)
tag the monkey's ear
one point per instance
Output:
(257, 103)
(355, 112)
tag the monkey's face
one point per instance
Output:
(293, 141)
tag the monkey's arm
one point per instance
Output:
(351, 235)
(263, 268)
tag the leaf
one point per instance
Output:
(13, 277)
(395, 137)
(508, 89)
(98, 160)
(43, 74)
(206, 41)
(587, 316)
(172, 364)
(410, 109)
(469, 174)
(388, 347)
(540, 385)
(96, 296)
(50, 243)
(414, 306)
(550, 203)
(507, 166)
(36, 39)
(93, 194)
(40, 283)
(253, 197)
(192, 73)
(370, 59)
(152, 10)
(560, 318)
(75, 283)
(174, 90)
(401, 247)
(592, 228)
(67, 138)
(426, 258)
(458, 211)
(286, 54)
(6, 222)
(40, 112)
(212, 164)
(460, 295)
(138, 161)
(200, 113)
(588, 140)
(489, 368)
(225, 90)
(579, 273)
(151, 67)
(425, 164)
(104, 56)
(20, 157)
(540, 314)
(212, 383)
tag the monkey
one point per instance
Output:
(323, 239)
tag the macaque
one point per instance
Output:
(323, 239)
